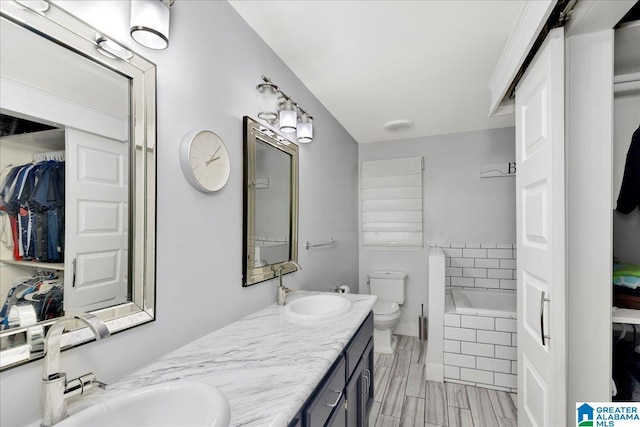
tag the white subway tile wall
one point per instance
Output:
(480, 350)
(480, 265)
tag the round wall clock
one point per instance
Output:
(205, 161)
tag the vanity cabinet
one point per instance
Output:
(345, 395)
(328, 397)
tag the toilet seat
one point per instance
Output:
(385, 309)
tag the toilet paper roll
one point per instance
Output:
(344, 289)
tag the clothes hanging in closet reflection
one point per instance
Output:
(32, 196)
(43, 292)
(629, 197)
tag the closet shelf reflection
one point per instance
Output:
(33, 264)
(625, 315)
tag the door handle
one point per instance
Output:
(73, 277)
(334, 404)
(542, 301)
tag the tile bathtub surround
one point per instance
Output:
(265, 365)
(480, 350)
(480, 265)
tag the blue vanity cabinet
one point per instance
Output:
(329, 397)
(344, 396)
(367, 384)
(359, 389)
(353, 394)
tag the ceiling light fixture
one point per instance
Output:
(398, 125)
(150, 22)
(278, 109)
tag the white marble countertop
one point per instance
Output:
(266, 366)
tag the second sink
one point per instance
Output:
(317, 307)
(183, 403)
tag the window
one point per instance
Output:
(391, 203)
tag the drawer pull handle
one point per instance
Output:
(367, 376)
(334, 404)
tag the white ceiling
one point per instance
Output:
(371, 62)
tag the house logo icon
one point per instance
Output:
(585, 415)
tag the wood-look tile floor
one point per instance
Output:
(404, 398)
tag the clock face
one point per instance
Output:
(205, 161)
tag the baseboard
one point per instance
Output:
(434, 372)
(408, 329)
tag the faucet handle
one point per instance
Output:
(82, 384)
(100, 384)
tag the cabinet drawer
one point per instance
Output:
(358, 344)
(328, 397)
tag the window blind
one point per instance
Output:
(391, 203)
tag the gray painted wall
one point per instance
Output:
(206, 80)
(458, 206)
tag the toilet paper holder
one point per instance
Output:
(342, 289)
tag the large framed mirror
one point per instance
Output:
(270, 203)
(77, 154)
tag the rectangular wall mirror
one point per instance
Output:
(270, 203)
(77, 155)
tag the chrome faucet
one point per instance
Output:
(55, 387)
(282, 291)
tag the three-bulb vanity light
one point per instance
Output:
(277, 108)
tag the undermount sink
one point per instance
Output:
(317, 307)
(183, 403)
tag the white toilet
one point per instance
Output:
(388, 286)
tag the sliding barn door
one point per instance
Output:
(540, 196)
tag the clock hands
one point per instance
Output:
(213, 158)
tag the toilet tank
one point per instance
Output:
(388, 285)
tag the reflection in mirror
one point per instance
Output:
(77, 189)
(270, 203)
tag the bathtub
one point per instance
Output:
(480, 338)
(484, 302)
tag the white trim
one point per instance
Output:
(589, 132)
(596, 15)
(35, 102)
(532, 18)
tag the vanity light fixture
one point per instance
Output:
(267, 101)
(39, 6)
(278, 109)
(288, 117)
(150, 22)
(111, 49)
(305, 128)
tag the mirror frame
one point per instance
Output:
(60, 27)
(254, 131)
